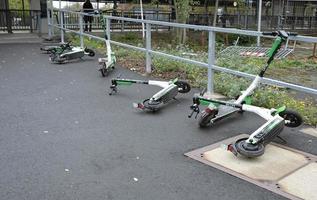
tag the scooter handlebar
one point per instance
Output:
(280, 33)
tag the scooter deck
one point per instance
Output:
(224, 111)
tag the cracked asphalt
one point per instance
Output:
(63, 138)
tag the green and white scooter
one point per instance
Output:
(107, 64)
(168, 92)
(67, 52)
(276, 119)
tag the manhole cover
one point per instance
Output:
(285, 171)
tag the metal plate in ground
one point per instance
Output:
(277, 170)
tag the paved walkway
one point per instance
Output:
(62, 137)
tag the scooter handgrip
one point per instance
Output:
(267, 33)
(292, 34)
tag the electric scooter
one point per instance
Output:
(66, 52)
(107, 64)
(169, 91)
(276, 119)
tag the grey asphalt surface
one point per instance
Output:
(62, 137)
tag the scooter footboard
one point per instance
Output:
(271, 130)
(71, 56)
(169, 94)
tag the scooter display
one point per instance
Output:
(168, 92)
(66, 52)
(276, 119)
(107, 64)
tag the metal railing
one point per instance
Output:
(14, 19)
(210, 65)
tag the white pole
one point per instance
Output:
(259, 22)
(61, 23)
(143, 31)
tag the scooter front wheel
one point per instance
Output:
(204, 118)
(151, 105)
(292, 118)
(249, 150)
(183, 86)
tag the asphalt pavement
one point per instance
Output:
(62, 137)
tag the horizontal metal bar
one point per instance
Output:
(196, 27)
(202, 64)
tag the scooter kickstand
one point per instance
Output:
(174, 98)
(283, 141)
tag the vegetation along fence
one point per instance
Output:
(149, 52)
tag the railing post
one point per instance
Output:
(49, 22)
(122, 22)
(81, 30)
(108, 24)
(62, 25)
(148, 48)
(211, 60)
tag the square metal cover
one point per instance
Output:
(283, 170)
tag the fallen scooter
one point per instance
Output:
(66, 52)
(169, 91)
(276, 119)
(107, 64)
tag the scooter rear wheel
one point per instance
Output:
(292, 118)
(90, 52)
(183, 86)
(249, 150)
(104, 72)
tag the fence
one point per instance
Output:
(149, 24)
(12, 20)
(305, 24)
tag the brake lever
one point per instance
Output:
(113, 89)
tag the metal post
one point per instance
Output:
(148, 48)
(259, 22)
(122, 22)
(62, 26)
(49, 21)
(211, 60)
(52, 17)
(81, 30)
(108, 24)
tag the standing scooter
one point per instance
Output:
(169, 91)
(66, 52)
(276, 118)
(107, 64)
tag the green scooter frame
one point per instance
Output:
(168, 92)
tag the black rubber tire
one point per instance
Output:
(151, 106)
(204, 119)
(90, 52)
(292, 116)
(102, 72)
(257, 150)
(183, 86)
